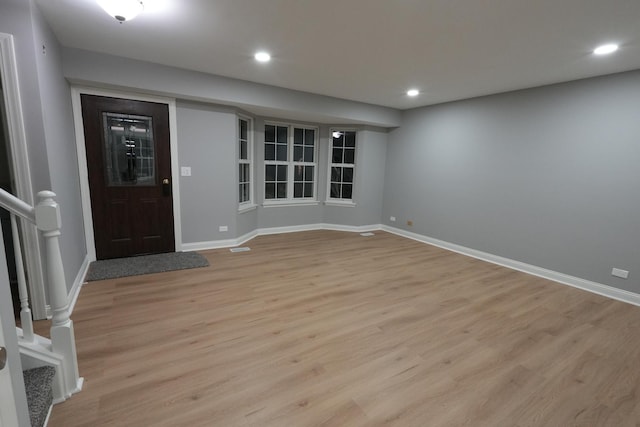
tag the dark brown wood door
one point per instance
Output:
(129, 164)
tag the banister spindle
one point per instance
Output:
(26, 320)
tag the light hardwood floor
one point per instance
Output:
(334, 329)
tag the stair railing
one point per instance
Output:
(46, 217)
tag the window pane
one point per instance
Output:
(347, 190)
(337, 155)
(297, 154)
(298, 173)
(282, 134)
(243, 150)
(349, 155)
(270, 173)
(336, 174)
(308, 154)
(269, 152)
(350, 139)
(298, 136)
(308, 173)
(246, 176)
(282, 153)
(335, 191)
(243, 129)
(338, 142)
(282, 173)
(244, 193)
(308, 190)
(309, 137)
(269, 133)
(297, 190)
(270, 191)
(347, 174)
(282, 191)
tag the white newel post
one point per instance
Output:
(26, 320)
(63, 340)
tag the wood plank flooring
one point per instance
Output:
(334, 329)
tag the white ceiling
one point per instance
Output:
(368, 50)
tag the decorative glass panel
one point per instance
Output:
(129, 150)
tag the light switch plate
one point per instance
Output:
(185, 171)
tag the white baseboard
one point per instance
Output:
(230, 243)
(565, 279)
(77, 284)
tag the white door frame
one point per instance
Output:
(76, 91)
(21, 171)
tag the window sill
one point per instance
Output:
(247, 208)
(345, 203)
(283, 203)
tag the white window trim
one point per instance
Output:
(283, 203)
(291, 164)
(330, 201)
(249, 204)
(340, 202)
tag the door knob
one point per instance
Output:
(3, 357)
(166, 187)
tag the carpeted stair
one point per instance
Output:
(38, 384)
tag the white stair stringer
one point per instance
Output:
(38, 353)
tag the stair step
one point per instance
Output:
(38, 384)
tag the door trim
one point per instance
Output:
(83, 170)
(21, 171)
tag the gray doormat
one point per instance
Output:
(147, 264)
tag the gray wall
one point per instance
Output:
(207, 144)
(57, 114)
(46, 104)
(16, 19)
(207, 136)
(98, 69)
(547, 176)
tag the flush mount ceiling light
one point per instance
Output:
(262, 56)
(605, 49)
(413, 92)
(122, 10)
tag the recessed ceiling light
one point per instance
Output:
(413, 92)
(605, 49)
(262, 57)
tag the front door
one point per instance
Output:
(129, 165)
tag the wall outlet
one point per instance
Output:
(223, 228)
(185, 171)
(409, 223)
(623, 274)
(392, 218)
